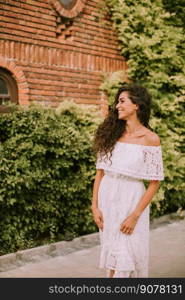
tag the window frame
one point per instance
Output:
(12, 88)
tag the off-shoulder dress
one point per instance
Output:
(120, 190)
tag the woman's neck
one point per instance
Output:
(133, 126)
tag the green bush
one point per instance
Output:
(151, 38)
(46, 174)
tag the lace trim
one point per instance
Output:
(120, 260)
(130, 173)
(140, 145)
(121, 274)
(145, 163)
(123, 264)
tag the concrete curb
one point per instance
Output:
(167, 219)
(19, 258)
(13, 260)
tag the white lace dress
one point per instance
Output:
(120, 190)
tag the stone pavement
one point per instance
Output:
(79, 258)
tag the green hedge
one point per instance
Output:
(46, 174)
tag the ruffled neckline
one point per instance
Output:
(140, 145)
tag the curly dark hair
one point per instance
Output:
(112, 128)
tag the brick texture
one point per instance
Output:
(55, 58)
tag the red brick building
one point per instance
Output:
(51, 50)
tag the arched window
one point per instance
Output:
(8, 89)
(68, 8)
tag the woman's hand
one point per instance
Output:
(98, 217)
(128, 225)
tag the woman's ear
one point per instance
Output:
(137, 106)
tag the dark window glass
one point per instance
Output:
(3, 87)
(68, 3)
(8, 89)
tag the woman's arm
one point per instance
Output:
(147, 197)
(98, 218)
(129, 223)
(98, 178)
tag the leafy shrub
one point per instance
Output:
(111, 83)
(46, 174)
(153, 44)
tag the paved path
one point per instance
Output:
(167, 258)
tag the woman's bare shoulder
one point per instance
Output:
(152, 138)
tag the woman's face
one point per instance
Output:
(125, 106)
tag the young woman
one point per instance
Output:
(128, 152)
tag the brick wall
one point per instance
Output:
(55, 58)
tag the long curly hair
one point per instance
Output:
(112, 128)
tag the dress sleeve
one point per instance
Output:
(99, 162)
(153, 163)
(137, 161)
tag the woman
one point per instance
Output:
(128, 153)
